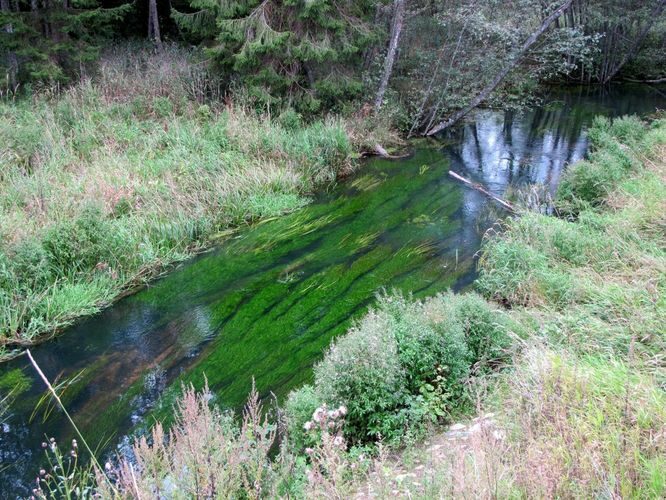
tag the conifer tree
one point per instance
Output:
(302, 52)
(51, 40)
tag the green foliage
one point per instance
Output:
(588, 184)
(486, 333)
(78, 245)
(299, 407)
(363, 371)
(404, 364)
(297, 53)
(52, 42)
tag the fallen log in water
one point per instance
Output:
(380, 151)
(483, 190)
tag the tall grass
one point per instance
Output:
(105, 183)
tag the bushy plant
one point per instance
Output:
(31, 266)
(486, 332)
(404, 364)
(362, 370)
(431, 342)
(299, 407)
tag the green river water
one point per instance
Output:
(268, 301)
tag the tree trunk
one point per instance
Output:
(12, 61)
(396, 29)
(636, 44)
(154, 23)
(505, 71)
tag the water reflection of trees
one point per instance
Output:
(501, 149)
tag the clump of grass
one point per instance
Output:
(614, 148)
(106, 183)
(586, 427)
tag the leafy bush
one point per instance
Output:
(486, 332)
(362, 370)
(31, 266)
(402, 365)
(299, 407)
(429, 345)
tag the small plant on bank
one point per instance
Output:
(328, 463)
(63, 477)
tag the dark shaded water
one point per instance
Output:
(267, 302)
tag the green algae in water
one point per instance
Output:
(14, 382)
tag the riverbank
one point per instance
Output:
(581, 409)
(570, 363)
(108, 183)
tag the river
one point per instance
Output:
(268, 301)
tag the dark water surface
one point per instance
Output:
(267, 302)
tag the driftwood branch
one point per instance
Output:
(483, 190)
(380, 151)
(483, 95)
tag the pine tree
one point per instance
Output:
(51, 40)
(299, 52)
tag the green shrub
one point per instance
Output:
(486, 331)
(362, 370)
(290, 119)
(31, 265)
(426, 342)
(163, 107)
(299, 408)
(402, 365)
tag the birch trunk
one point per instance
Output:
(396, 30)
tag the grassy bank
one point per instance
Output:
(106, 183)
(581, 411)
(566, 349)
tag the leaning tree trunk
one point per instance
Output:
(505, 71)
(396, 30)
(154, 23)
(12, 61)
(636, 44)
